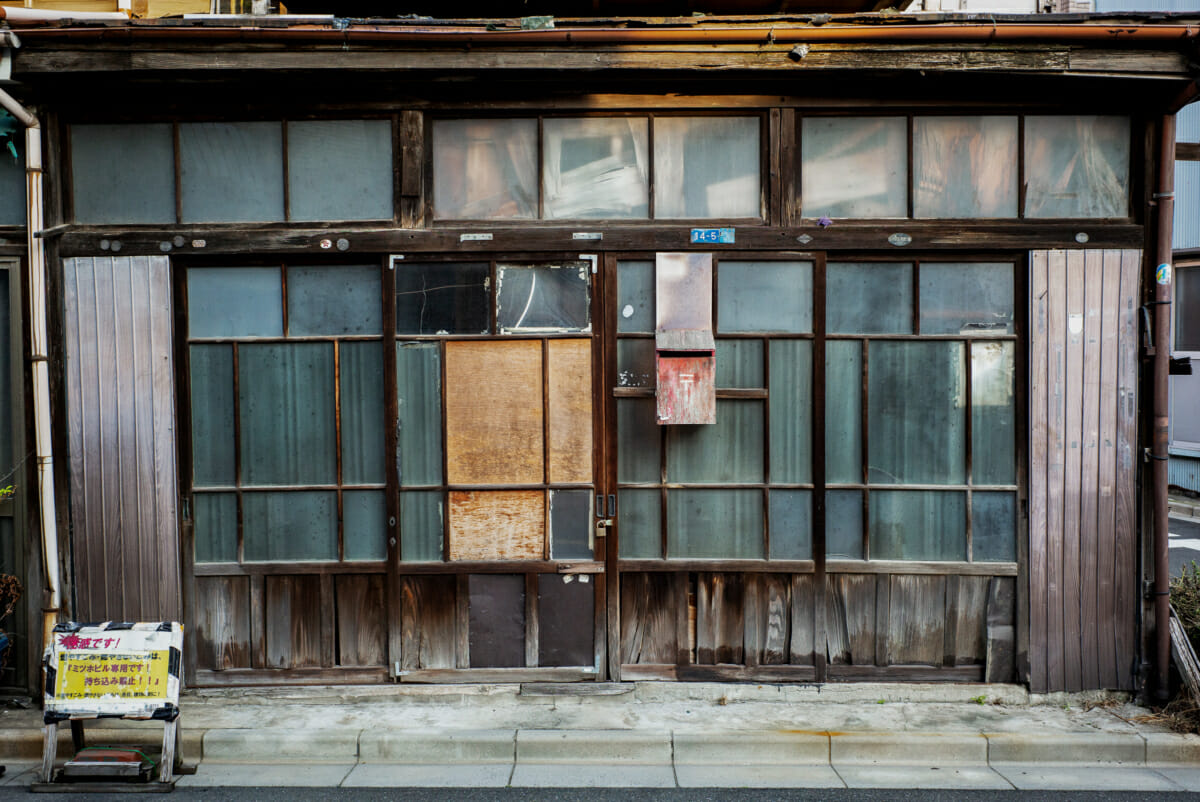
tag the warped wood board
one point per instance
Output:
(775, 608)
(222, 626)
(497, 620)
(569, 408)
(720, 625)
(497, 524)
(648, 611)
(802, 642)
(361, 620)
(1000, 663)
(966, 620)
(850, 618)
(427, 622)
(917, 620)
(494, 412)
(1185, 657)
(293, 621)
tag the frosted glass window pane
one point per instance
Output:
(231, 172)
(286, 414)
(421, 526)
(639, 524)
(365, 527)
(6, 365)
(1076, 166)
(419, 397)
(965, 167)
(739, 363)
(635, 297)
(1187, 310)
(484, 169)
(298, 525)
(364, 455)
(1185, 410)
(635, 363)
(764, 296)
(213, 459)
(966, 298)
(638, 441)
(993, 413)
(706, 167)
(715, 524)
(334, 300)
(843, 412)
(918, 525)
(443, 298)
(594, 168)
(728, 451)
(570, 524)
(854, 167)
(843, 524)
(120, 173)
(12, 186)
(993, 527)
(216, 527)
(916, 422)
(235, 302)
(791, 411)
(543, 298)
(340, 170)
(868, 298)
(791, 524)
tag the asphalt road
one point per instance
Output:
(1183, 545)
(610, 795)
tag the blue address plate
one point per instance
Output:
(720, 236)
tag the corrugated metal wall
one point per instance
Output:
(1184, 472)
(1082, 495)
(121, 413)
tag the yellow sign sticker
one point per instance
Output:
(88, 675)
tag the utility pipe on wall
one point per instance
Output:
(1165, 195)
(39, 359)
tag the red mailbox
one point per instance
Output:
(685, 352)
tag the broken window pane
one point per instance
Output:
(216, 527)
(635, 363)
(843, 524)
(993, 527)
(843, 411)
(1076, 166)
(340, 170)
(706, 167)
(234, 302)
(595, 168)
(764, 296)
(993, 413)
(791, 524)
(484, 169)
(967, 298)
(918, 525)
(296, 525)
(550, 298)
(965, 167)
(443, 298)
(421, 527)
(120, 174)
(365, 527)
(286, 411)
(739, 363)
(231, 172)
(639, 524)
(715, 524)
(361, 376)
(570, 524)
(638, 441)
(728, 451)
(854, 167)
(213, 461)
(791, 411)
(334, 300)
(916, 418)
(419, 398)
(635, 297)
(868, 298)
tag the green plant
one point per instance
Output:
(980, 699)
(10, 591)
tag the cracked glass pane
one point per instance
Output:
(543, 298)
(442, 298)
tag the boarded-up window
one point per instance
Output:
(1077, 166)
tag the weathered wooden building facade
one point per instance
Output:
(362, 331)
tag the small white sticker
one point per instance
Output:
(474, 237)
(587, 235)
(627, 311)
(1075, 323)
(583, 578)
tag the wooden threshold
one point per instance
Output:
(450, 676)
(291, 676)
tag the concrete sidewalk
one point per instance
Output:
(649, 734)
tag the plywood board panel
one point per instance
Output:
(361, 620)
(648, 625)
(428, 612)
(569, 409)
(497, 620)
(566, 613)
(917, 621)
(494, 412)
(719, 618)
(222, 634)
(293, 608)
(497, 524)
(850, 618)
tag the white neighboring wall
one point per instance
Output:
(1003, 6)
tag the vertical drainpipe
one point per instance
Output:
(39, 359)
(1165, 195)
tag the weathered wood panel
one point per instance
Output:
(966, 620)
(569, 409)
(293, 625)
(850, 618)
(428, 607)
(648, 618)
(121, 434)
(222, 634)
(494, 412)
(720, 622)
(916, 623)
(802, 646)
(497, 524)
(566, 612)
(1083, 401)
(361, 620)
(1001, 661)
(775, 607)
(497, 620)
